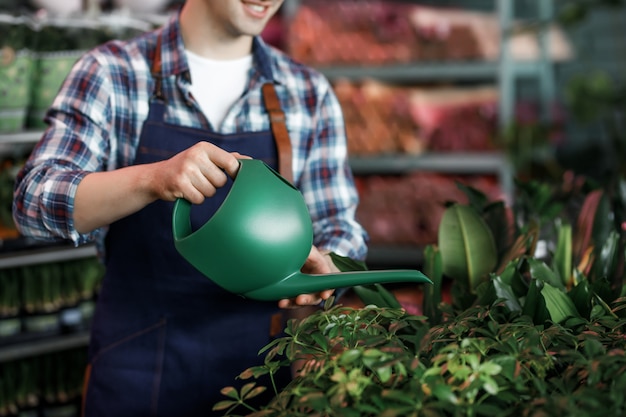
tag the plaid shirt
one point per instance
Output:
(96, 120)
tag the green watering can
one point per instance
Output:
(259, 238)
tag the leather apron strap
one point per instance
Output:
(156, 72)
(272, 105)
(279, 130)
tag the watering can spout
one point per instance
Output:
(300, 283)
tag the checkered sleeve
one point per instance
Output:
(73, 145)
(328, 182)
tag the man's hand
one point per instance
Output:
(316, 263)
(194, 174)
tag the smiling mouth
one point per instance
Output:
(256, 9)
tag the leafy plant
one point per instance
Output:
(524, 336)
(484, 361)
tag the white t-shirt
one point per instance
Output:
(217, 85)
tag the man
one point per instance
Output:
(141, 123)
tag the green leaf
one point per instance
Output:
(345, 264)
(476, 198)
(468, 251)
(505, 292)
(562, 261)
(253, 393)
(606, 257)
(246, 389)
(511, 276)
(349, 356)
(432, 293)
(486, 293)
(230, 392)
(223, 405)
(535, 304)
(377, 295)
(444, 393)
(602, 222)
(558, 304)
(490, 368)
(490, 385)
(497, 218)
(317, 400)
(582, 296)
(539, 270)
(384, 373)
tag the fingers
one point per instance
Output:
(316, 263)
(305, 299)
(195, 173)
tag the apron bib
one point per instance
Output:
(165, 339)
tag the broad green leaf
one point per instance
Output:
(535, 304)
(345, 264)
(602, 290)
(468, 251)
(582, 296)
(444, 393)
(490, 385)
(505, 292)
(349, 356)
(384, 373)
(606, 257)
(512, 277)
(497, 218)
(432, 293)
(486, 293)
(490, 368)
(539, 270)
(562, 261)
(377, 295)
(558, 304)
(477, 199)
(602, 222)
(390, 300)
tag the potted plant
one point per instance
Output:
(523, 336)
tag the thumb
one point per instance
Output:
(315, 263)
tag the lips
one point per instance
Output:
(255, 9)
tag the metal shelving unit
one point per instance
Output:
(29, 137)
(43, 345)
(444, 162)
(433, 71)
(29, 345)
(44, 255)
(506, 71)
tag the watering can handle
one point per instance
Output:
(181, 219)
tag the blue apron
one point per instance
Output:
(165, 339)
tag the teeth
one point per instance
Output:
(257, 8)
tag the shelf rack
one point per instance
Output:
(39, 344)
(45, 254)
(443, 162)
(43, 345)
